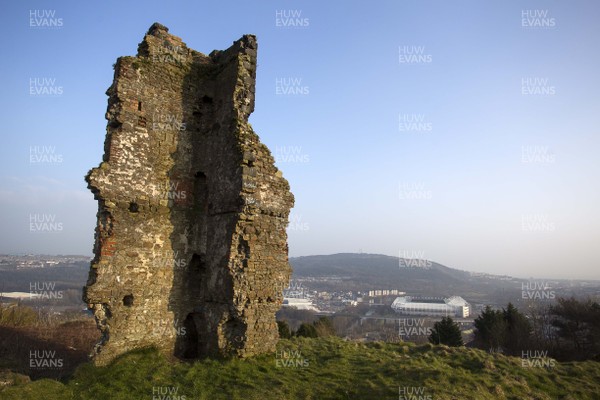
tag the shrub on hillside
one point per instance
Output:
(17, 315)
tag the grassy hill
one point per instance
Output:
(324, 369)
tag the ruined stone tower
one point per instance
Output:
(190, 245)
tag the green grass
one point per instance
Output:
(335, 370)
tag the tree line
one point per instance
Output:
(569, 330)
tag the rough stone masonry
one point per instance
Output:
(190, 247)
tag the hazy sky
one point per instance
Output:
(463, 132)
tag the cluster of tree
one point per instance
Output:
(507, 330)
(568, 329)
(322, 327)
(446, 332)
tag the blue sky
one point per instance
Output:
(499, 173)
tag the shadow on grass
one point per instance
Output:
(47, 352)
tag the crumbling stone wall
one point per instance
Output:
(190, 246)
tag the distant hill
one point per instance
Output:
(369, 265)
(416, 277)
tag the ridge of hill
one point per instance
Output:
(416, 277)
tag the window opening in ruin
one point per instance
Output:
(128, 300)
(190, 339)
(201, 191)
(198, 263)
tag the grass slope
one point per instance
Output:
(324, 369)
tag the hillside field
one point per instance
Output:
(324, 368)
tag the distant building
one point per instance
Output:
(300, 304)
(20, 295)
(385, 292)
(452, 306)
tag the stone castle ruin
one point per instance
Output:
(190, 247)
